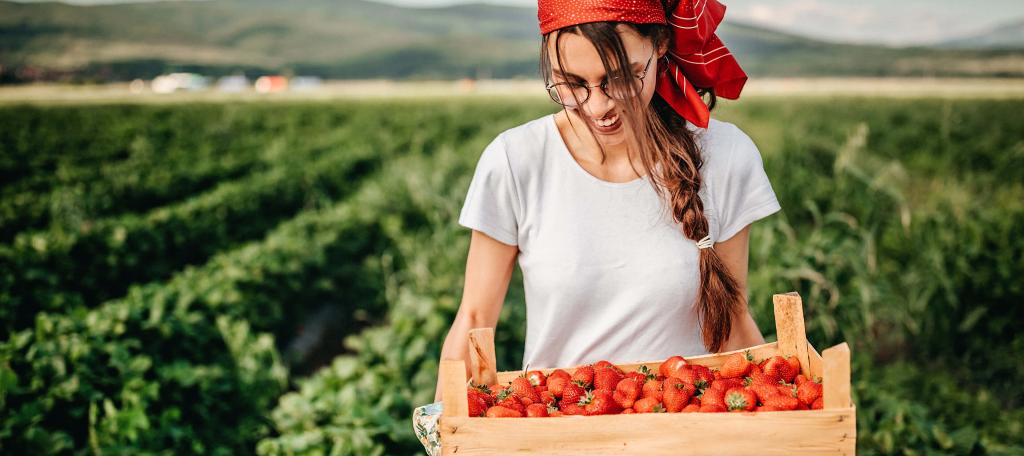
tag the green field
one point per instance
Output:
(278, 278)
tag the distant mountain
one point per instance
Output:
(363, 39)
(1006, 36)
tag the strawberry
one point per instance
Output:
(606, 378)
(794, 366)
(736, 365)
(818, 404)
(671, 366)
(571, 408)
(522, 388)
(477, 403)
(554, 411)
(573, 392)
(778, 368)
(507, 398)
(703, 374)
(713, 396)
(536, 378)
(556, 384)
(584, 374)
(740, 400)
(503, 412)
(482, 391)
(608, 365)
(758, 376)
(711, 408)
(600, 402)
(546, 397)
(781, 401)
(537, 410)
(808, 392)
(799, 380)
(676, 394)
(648, 405)
(768, 408)
(763, 390)
(627, 411)
(627, 391)
(725, 383)
(691, 408)
(653, 388)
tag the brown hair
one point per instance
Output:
(670, 152)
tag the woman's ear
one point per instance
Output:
(662, 49)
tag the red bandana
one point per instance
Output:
(696, 57)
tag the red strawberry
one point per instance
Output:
(503, 412)
(653, 388)
(703, 374)
(781, 401)
(628, 411)
(573, 392)
(711, 408)
(606, 378)
(536, 378)
(477, 403)
(671, 367)
(794, 365)
(740, 399)
(818, 404)
(584, 374)
(608, 365)
(676, 394)
(556, 385)
(800, 379)
(537, 410)
(553, 411)
(507, 398)
(522, 388)
(691, 408)
(736, 365)
(571, 408)
(713, 396)
(763, 390)
(808, 392)
(546, 397)
(768, 408)
(778, 368)
(600, 402)
(648, 405)
(627, 391)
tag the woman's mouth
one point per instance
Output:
(607, 125)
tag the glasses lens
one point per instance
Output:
(567, 94)
(623, 90)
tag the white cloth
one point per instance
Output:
(607, 273)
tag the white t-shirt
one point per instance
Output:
(607, 273)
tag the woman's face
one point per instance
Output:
(583, 65)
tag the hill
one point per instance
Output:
(363, 39)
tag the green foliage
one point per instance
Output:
(900, 229)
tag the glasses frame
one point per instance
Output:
(603, 85)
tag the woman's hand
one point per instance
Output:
(489, 266)
(735, 253)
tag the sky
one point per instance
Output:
(893, 22)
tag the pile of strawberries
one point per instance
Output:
(740, 385)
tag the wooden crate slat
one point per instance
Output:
(789, 325)
(763, 433)
(483, 363)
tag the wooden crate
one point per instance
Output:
(831, 430)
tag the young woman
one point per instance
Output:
(629, 210)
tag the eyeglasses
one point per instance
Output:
(566, 93)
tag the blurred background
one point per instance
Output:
(230, 226)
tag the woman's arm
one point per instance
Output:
(735, 252)
(489, 267)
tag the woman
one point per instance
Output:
(629, 210)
